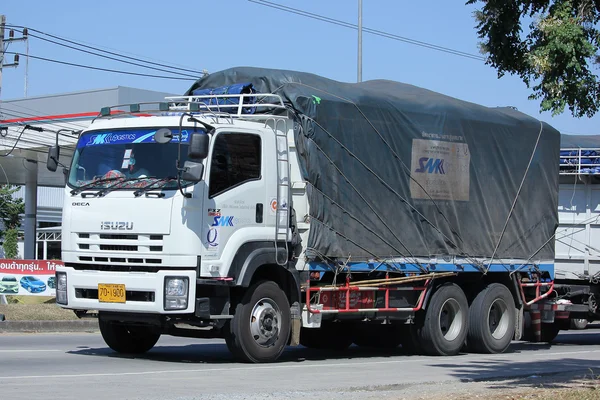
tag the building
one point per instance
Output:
(28, 127)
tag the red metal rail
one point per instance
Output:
(538, 295)
(348, 289)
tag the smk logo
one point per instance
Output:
(431, 165)
(223, 221)
(99, 139)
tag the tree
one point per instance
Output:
(11, 248)
(557, 56)
(11, 210)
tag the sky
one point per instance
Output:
(214, 35)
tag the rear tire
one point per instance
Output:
(330, 336)
(579, 323)
(128, 339)
(376, 336)
(260, 328)
(445, 326)
(411, 337)
(550, 332)
(491, 320)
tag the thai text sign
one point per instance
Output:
(28, 277)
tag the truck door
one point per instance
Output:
(236, 194)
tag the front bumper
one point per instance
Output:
(145, 290)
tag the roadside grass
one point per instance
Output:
(34, 308)
(585, 387)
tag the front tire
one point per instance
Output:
(445, 325)
(491, 320)
(260, 328)
(128, 339)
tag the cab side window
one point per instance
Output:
(236, 159)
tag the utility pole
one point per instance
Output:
(4, 43)
(2, 23)
(360, 40)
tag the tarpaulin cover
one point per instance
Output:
(394, 170)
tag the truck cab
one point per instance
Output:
(175, 213)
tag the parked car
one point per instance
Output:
(32, 284)
(8, 284)
(52, 282)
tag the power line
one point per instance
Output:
(368, 30)
(55, 124)
(21, 114)
(110, 58)
(104, 51)
(116, 71)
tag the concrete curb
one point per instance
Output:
(86, 325)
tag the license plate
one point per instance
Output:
(111, 293)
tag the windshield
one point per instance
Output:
(126, 159)
(8, 279)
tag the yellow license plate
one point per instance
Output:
(111, 293)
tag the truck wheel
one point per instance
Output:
(445, 326)
(491, 320)
(260, 327)
(132, 339)
(549, 332)
(410, 338)
(579, 323)
(330, 336)
(376, 336)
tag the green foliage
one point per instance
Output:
(556, 57)
(10, 244)
(10, 209)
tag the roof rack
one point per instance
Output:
(580, 161)
(246, 106)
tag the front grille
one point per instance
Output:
(122, 268)
(121, 259)
(130, 295)
(118, 237)
(113, 247)
(98, 246)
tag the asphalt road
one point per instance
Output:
(80, 366)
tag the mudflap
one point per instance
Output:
(296, 316)
(519, 323)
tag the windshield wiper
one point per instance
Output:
(94, 183)
(110, 188)
(156, 184)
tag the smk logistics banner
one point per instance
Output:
(28, 277)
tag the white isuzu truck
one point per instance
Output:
(273, 208)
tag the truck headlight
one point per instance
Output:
(61, 288)
(176, 292)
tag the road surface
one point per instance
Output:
(80, 366)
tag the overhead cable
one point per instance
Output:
(105, 69)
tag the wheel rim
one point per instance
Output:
(265, 322)
(451, 323)
(498, 319)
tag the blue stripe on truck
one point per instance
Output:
(434, 267)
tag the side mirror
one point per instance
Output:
(52, 161)
(163, 135)
(198, 147)
(192, 171)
